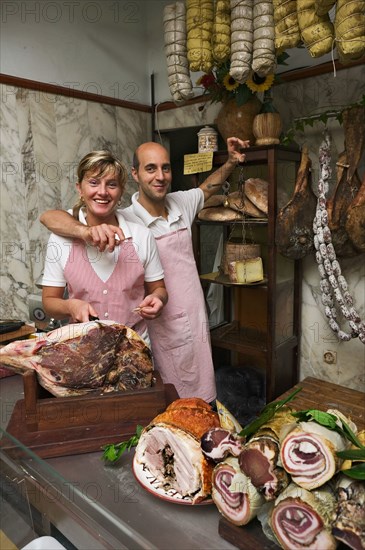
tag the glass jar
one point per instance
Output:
(207, 140)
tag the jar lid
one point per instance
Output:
(207, 130)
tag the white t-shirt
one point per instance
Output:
(59, 248)
(182, 207)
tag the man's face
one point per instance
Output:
(154, 172)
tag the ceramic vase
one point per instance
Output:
(237, 121)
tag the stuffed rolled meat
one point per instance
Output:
(169, 447)
(235, 496)
(301, 519)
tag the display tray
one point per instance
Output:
(149, 482)
(56, 426)
(315, 394)
(221, 278)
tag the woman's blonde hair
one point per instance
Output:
(99, 163)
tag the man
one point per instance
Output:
(180, 336)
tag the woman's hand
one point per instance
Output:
(151, 307)
(80, 311)
(152, 304)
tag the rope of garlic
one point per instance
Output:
(334, 287)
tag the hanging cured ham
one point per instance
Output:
(355, 219)
(294, 231)
(348, 182)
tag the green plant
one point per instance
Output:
(299, 124)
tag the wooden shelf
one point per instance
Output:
(262, 321)
(221, 279)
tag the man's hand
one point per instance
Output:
(234, 146)
(104, 236)
(216, 179)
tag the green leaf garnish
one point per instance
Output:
(267, 414)
(329, 421)
(352, 454)
(356, 472)
(112, 452)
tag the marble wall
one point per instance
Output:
(44, 136)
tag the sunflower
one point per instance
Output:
(258, 83)
(230, 83)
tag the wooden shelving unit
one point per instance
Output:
(262, 321)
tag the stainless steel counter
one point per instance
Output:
(103, 506)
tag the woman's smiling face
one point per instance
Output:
(101, 194)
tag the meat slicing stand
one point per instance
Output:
(57, 426)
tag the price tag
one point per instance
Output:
(198, 162)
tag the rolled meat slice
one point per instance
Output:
(349, 517)
(302, 520)
(218, 443)
(308, 453)
(233, 493)
(169, 447)
(259, 459)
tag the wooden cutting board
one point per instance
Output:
(315, 394)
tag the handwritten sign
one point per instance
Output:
(199, 162)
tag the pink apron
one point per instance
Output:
(115, 299)
(180, 336)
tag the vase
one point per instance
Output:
(236, 120)
(267, 128)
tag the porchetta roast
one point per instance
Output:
(80, 358)
(169, 447)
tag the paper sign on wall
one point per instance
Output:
(198, 162)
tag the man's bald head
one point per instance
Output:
(150, 147)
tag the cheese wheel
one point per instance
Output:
(246, 271)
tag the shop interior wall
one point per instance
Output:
(43, 136)
(301, 98)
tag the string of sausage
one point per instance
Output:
(334, 287)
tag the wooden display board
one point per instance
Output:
(56, 426)
(315, 394)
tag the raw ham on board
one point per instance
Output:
(80, 358)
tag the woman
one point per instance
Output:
(125, 285)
